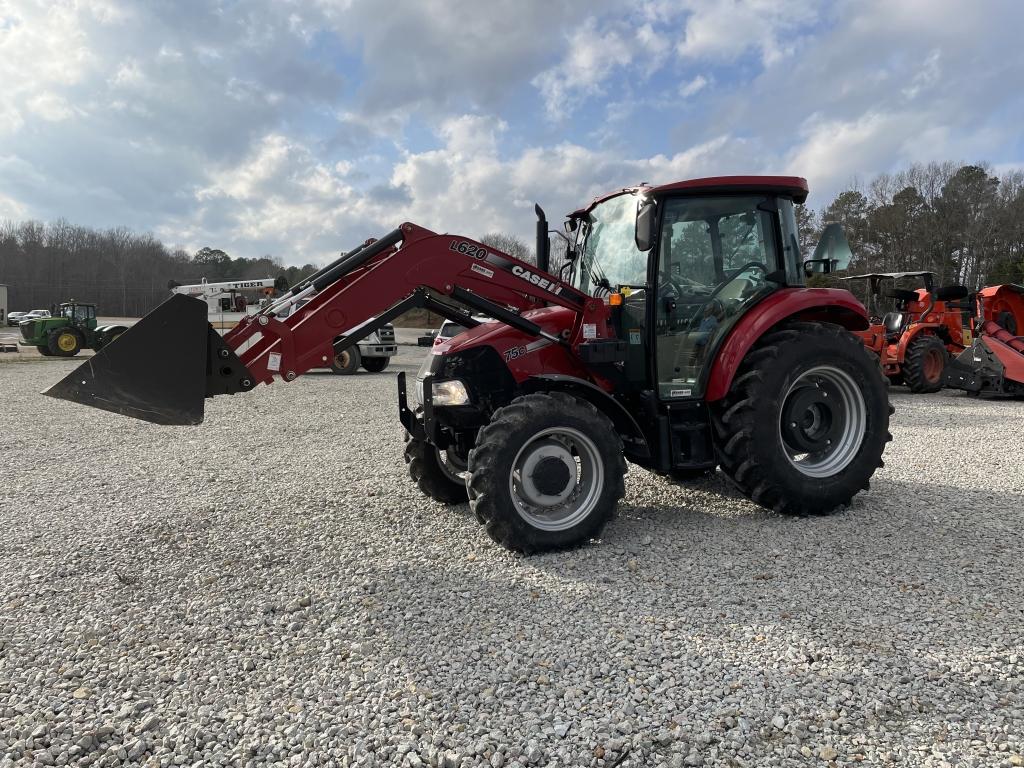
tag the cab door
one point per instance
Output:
(716, 257)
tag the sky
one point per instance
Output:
(299, 129)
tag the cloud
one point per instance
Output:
(443, 55)
(693, 87)
(592, 55)
(300, 129)
(726, 29)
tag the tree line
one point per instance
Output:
(962, 222)
(124, 273)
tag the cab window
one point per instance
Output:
(714, 258)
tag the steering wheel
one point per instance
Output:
(737, 272)
(718, 288)
(679, 286)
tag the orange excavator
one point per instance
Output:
(994, 362)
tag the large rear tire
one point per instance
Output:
(806, 420)
(64, 342)
(924, 364)
(375, 364)
(436, 474)
(346, 363)
(547, 472)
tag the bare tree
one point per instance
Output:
(509, 244)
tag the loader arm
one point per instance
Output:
(408, 268)
(162, 369)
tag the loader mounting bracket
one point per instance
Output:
(225, 373)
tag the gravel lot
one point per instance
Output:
(269, 589)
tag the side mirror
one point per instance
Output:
(646, 218)
(832, 252)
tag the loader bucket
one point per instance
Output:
(160, 370)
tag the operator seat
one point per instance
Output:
(893, 322)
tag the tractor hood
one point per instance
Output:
(499, 335)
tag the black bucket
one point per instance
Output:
(161, 369)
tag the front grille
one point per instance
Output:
(26, 329)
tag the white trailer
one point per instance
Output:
(227, 302)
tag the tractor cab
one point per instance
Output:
(80, 315)
(685, 262)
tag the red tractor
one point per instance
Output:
(679, 335)
(927, 327)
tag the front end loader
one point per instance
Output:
(678, 336)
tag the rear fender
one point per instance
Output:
(625, 424)
(822, 305)
(911, 335)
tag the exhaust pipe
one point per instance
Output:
(161, 369)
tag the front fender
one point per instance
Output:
(829, 305)
(632, 435)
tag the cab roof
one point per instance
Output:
(887, 275)
(792, 186)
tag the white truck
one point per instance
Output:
(227, 304)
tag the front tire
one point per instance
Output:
(924, 364)
(43, 350)
(806, 420)
(375, 364)
(436, 475)
(547, 472)
(347, 362)
(64, 342)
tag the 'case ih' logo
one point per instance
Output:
(540, 282)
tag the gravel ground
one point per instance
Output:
(269, 589)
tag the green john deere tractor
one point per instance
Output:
(72, 327)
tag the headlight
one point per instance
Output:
(450, 392)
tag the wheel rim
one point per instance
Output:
(342, 359)
(66, 342)
(452, 465)
(556, 479)
(933, 365)
(823, 421)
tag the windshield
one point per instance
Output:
(610, 258)
(76, 311)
